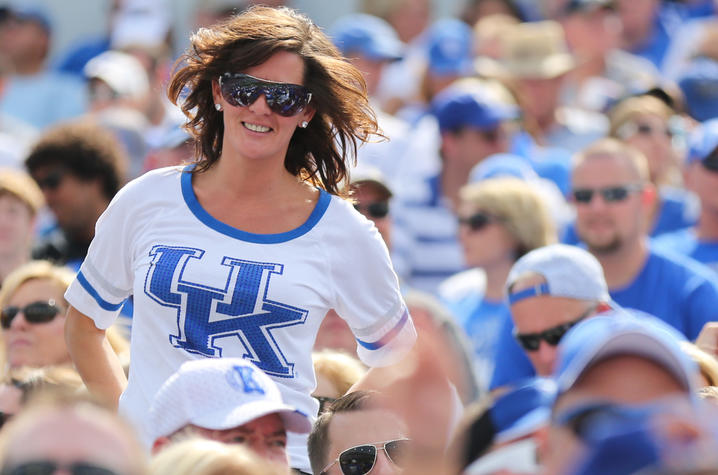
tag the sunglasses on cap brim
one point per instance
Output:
(285, 99)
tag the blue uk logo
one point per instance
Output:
(241, 309)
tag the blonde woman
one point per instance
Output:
(500, 220)
(33, 316)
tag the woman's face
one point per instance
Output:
(255, 132)
(488, 245)
(650, 135)
(36, 344)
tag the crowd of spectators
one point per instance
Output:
(543, 178)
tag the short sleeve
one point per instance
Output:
(105, 278)
(367, 294)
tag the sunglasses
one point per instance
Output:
(552, 336)
(49, 467)
(36, 312)
(378, 209)
(610, 194)
(476, 221)
(360, 460)
(50, 181)
(285, 99)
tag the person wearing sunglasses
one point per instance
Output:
(70, 435)
(500, 220)
(356, 437)
(550, 289)
(243, 252)
(32, 316)
(613, 196)
(699, 242)
(79, 166)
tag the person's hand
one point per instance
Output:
(708, 338)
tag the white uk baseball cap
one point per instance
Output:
(219, 394)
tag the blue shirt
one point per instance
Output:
(686, 243)
(678, 291)
(481, 320)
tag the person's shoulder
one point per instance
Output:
(679, 267)
(161, 183)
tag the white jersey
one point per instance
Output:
(205, 289)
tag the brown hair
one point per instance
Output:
(343, 116)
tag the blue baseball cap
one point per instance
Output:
(368, 35)
(699, 84)
(702, 141)
(622, 332)
(523, 410)
(449, 44)
(457, 107)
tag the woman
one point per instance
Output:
(501, 219)
(33, 316)
(244, 253)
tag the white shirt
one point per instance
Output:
(205, 289)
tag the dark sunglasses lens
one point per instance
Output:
(8, 314)
(397, 451)
(379, 209)
(478, 221)
(358, 460)
(82, 468)
(40, 312)
(711, 163)
(529, 342)
(50, 181)
(613, 194)
(32, 468)
(286, 99)
(582, 196)
(553, 336)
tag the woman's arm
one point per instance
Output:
(94, 358)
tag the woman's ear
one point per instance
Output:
(216, 93)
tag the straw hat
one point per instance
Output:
(536, 50)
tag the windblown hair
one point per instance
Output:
(319, 153)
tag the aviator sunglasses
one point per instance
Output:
(49, 467)
(552, 336)
(360, 460)
(282, 98)
(35, 312)
(610, 194)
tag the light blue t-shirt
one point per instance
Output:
(481, 320)
(679, 291)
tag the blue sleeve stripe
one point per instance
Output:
(389, 335)
(104, 304)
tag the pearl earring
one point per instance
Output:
(304, 124)
(218, 107)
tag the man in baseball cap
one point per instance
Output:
(225, 399)
(549, 289)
